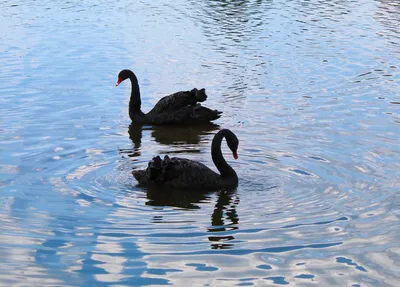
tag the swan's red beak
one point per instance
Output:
(235, 156)
(118, 82)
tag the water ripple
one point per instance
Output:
(309, 87)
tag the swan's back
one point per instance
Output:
(190, 114)
(179, 173)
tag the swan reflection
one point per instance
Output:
(185, 138)
(169, 135)
(177, 198)
(224, 218)
(182, 135)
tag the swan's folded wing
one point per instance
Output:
(196, 114)
(155, 169)
(185, 172)
(179, 100)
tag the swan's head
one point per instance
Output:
(232, 141)
(123, 75)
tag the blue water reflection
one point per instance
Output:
(311, 88)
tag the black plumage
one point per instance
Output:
(179, 108)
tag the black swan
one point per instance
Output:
(183, 173)
(178, 108)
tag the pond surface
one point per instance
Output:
(311, 89)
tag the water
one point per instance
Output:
(311, 88)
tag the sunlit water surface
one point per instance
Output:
(311, 88)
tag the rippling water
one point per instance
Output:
(311, 88)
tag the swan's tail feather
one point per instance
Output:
(205, 114)
(154, 168)
(141, 176)
(217, 114)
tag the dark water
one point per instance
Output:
(311, 88)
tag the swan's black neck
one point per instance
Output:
(224, 168)
(134, 102)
